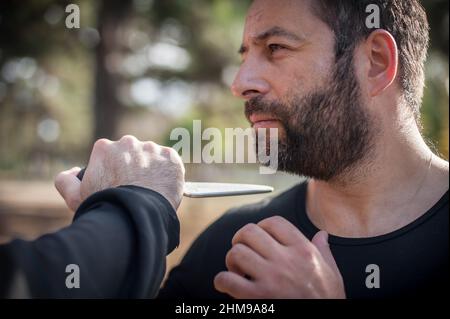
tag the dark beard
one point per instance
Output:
(327, 132)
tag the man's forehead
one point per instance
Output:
(286, 14)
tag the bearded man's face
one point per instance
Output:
(292, 81)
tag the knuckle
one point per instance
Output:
(271, 224)
(249, 228)
(273, 221)
(150, 146)
(172, 158)
(102, 144)
(237, 250)
(173, 155)
(167, 155)
(128, 140)
(231, 256)
(218, 280)
(165, 151)
(246, 232)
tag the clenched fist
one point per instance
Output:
(125, 162)
(273, 260)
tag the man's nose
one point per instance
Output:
(249, 81)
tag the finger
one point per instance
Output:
(129, 142)
(68, 185)
(320, 240)
(173, 156)
(283, 231)
(234, 285)
(257, 239)
(98, 158)
(99, 149)
(244, 261)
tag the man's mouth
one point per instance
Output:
(264, 121)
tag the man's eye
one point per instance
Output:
(275, 47)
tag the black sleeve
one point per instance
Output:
(194, 276)
(119, 239)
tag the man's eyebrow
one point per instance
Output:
(279, 32)
(272, 32)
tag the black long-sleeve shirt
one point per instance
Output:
(411, 261)
(119, 240)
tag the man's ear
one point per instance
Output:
(382, 53)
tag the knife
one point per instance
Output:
(203, 190)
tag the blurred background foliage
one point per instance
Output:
(138, 67)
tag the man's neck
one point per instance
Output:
(398, 185)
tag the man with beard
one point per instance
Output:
(346, 101)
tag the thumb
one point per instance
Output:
(68, 186)
(320, 240)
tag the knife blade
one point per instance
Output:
(204, 190)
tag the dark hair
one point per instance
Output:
(406, 20)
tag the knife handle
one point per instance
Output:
(81, 174)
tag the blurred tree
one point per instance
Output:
(107, 107)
